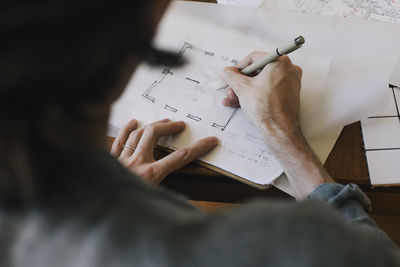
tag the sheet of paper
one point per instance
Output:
(379, 10)
(376, 10)
(192, 93)
(253, 3)
(395, 76)
(384, 167)
(382, 131)
(357, 84)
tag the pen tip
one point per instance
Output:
(299, 40)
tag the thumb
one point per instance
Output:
(237, 81)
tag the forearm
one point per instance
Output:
(303, 169)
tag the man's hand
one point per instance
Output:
(271, 100)
(134, 147)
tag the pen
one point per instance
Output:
(280, 51)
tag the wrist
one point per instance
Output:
(281, 134)
(303, 169)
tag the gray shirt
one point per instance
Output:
(97, 213)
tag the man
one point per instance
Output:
(66, 202)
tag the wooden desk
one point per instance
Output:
(346, 163)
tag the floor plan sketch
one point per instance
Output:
(192, 93)
(200, 90)
(223, 126)
(146, 94)
(379, 10)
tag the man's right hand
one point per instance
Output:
(271, 98)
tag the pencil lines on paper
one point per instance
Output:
(192, 80)
(156, 83)
(167, 107)
(223, 126)
(195, 118)
(194, 90)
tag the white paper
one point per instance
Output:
(388, 110)
(253, 3)
(382, 133)
(379, 10)
(192, 94)
(357, 86)
(376, 10)
(384, 168)
(395, 76)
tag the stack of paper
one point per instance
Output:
(213, 36)
(192, 93)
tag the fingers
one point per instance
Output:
(231, 99)
(184, 156)
(250, 59)
(285, 62)
(284, 58)
(153, 132)
(132, 143)
(145, 139)
(135, 137)
(299, 71)
(235, 79)
(130, 136)
(122, 136)
(238, 81)
(281, 65)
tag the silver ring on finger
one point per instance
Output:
(129, 147)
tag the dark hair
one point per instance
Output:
(60, 54)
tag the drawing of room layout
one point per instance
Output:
(194, 91)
